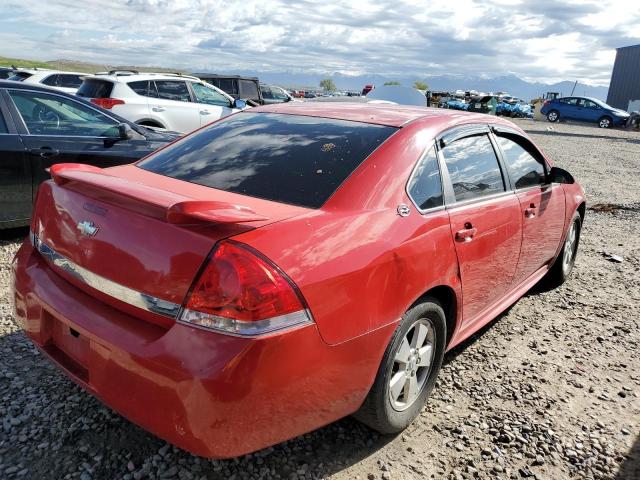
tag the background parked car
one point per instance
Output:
(274, 94)
(6, 72)
(40, 127)
(584, 109)
(246, 88)
(63, 81)
(170, 101)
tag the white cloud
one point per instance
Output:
(545, 40)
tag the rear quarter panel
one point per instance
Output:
(358, 264)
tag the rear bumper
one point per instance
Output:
(211, 394)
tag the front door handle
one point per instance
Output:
(531, 211)
(157, 109)
(205, 112)
(466, 234)
(44, 152)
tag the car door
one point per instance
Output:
(590, 111)
(569, 109)
(15, 175)
(171, 100)
(57, 129)
(212, 104)
(485, 220)
(542, 205)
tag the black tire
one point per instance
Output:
(553, 116)
(377, 411)
(561, 270)
(605, 122)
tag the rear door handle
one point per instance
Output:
(466, 234)
(44, 152)
(531, 211)
(157, 109)
(205, 112)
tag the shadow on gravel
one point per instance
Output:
(13, 234)
(630, 468)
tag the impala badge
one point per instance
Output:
(87, 228)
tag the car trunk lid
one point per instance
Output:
(135, 239)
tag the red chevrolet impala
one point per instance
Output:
(290, 265)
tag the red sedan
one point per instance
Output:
(290, 265)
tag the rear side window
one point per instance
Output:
(141, 87)
(68, 80)
(19, 76)
(285, 158)
(524, 169)
(172, 90)
(248, 90)
(51, 80)
(425, 186)
(473, 168)
(95, 89)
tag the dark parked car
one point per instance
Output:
(584, 109)
(40, 127)
(274, 94)
(6, 72)
(245, 88)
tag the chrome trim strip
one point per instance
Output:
(106, 286)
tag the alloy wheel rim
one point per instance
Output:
(553, 116)
(569, 247)
(412, 364)
(604, 123)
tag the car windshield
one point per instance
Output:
(291, 159)
(600, 103)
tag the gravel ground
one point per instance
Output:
(550, 390)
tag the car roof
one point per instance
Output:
(379, 114)
(46, 71)
(124, 77)
(217, 75)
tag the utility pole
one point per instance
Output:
(573, 89)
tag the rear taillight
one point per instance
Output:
(107, 103)
(546, 102)
(240, 292)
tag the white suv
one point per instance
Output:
(171, 101)
(59, 80)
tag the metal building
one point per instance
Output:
(625, 79)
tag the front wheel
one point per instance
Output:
(408, 370)
(605, 122)
(553, 116)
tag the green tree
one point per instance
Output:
(392, 82)
(328, 85)
(421, 85)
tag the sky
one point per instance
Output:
(545, 40)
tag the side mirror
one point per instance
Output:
(125, 132)
(240, 104)
(559, 175)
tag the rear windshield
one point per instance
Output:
(95, 89)
(19, 76)
(290, 159)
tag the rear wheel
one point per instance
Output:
(605, 122)
(408, 370)
(553, 116)
(563, 266)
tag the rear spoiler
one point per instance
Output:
(168, 206)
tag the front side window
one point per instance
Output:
(284, 158)
(172, 90)
(425, 186)
(473, 168)
(47, 114)
(266, 92)
(524, 169)
(209, 95)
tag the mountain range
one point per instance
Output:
(512, 84)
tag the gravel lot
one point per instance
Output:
(550, 390)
